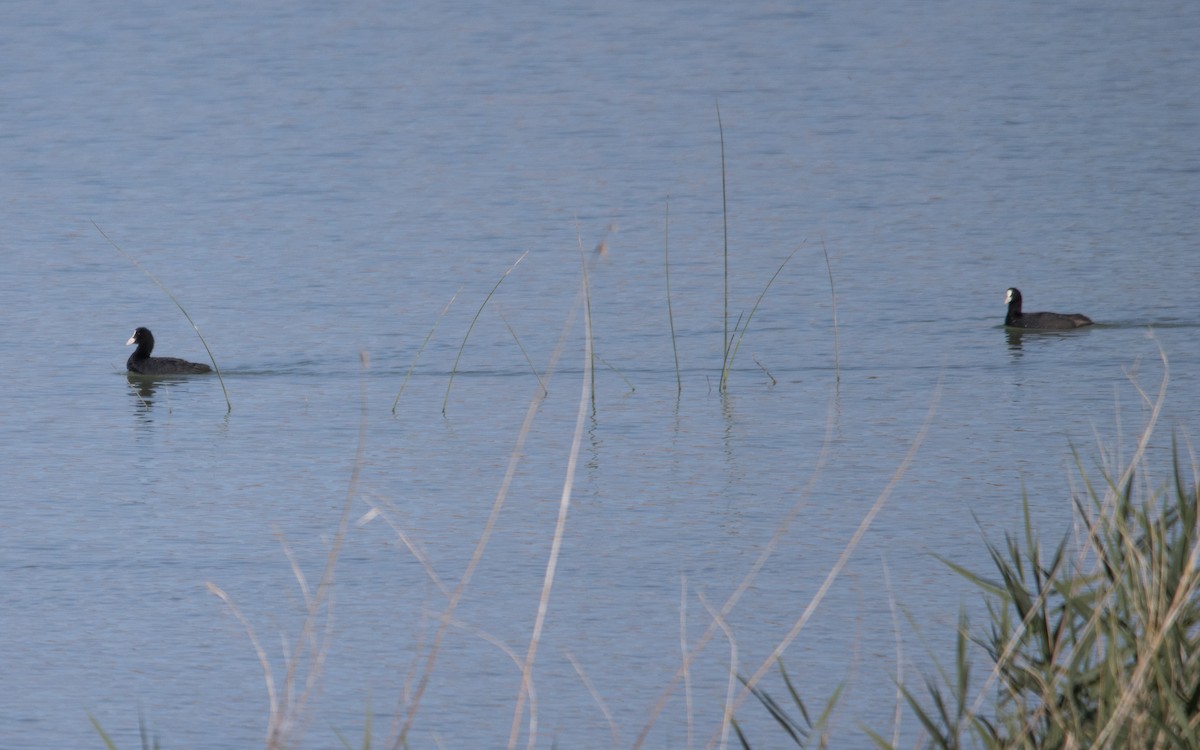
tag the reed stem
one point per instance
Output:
(837, 365)
(667, 271)
(471, 327)
(560, 525)
(725, 225)
(740, 329)
(211, 358)
(417, 358)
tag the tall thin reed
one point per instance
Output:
(560, 526)
(744, 586)
(667, 273)
(406, 718)
(837, 365)
(587, 316)
(725, 224)
(620, 374)
(305, 660)
(731, 683)
(525, 354)
(864, 525)
(420, 349)
(216, 367)
(740, 329)
(686, 661)
(768, 551)
(766, 372)
(471, 327)
(613, 731)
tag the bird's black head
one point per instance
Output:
(143, 338)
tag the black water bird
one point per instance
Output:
(142, 363)
(1039, 321)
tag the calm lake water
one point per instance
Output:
(316, 182)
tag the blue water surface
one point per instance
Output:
(332, 192)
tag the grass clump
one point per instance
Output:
(800, 727)
(1091, 643)
(1094, 645)
(1100, 648)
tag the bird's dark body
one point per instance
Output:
(141, 363)
(1040, 321)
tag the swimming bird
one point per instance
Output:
(1041, 321)
(142, 363)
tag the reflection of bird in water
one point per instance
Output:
(143, 389)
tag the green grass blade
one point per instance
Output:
(745, 743)
(471, 327)
(417, 358)
(667, 272)
(880, 742)
(725, 225)
(741, 331)
(795, 694)
(837, 364)
(100, 731)
(528, 361)
(766, 372)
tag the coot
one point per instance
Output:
(1041, 321)
(142, 363)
